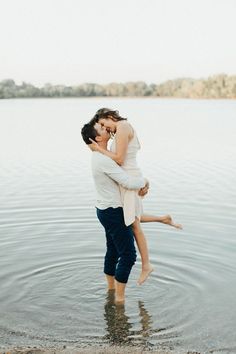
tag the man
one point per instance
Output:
(120, 255)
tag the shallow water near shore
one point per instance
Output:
(52, 246)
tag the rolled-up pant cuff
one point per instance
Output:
(109, 273)
(121, 280)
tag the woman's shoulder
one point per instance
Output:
(125, 126)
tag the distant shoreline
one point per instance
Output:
(215, 87)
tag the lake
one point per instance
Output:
(53, 291)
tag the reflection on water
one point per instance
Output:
(145, 320)
(119, 326)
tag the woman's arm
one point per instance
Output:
(122, 141)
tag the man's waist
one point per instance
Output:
(109, 209)
(102, 204)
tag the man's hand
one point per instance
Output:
(143, 191)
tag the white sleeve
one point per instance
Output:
(115, 172)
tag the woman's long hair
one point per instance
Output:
(107, 113)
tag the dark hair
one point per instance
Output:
(88, 131)
(107, 113)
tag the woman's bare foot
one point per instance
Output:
(146, 271)
(167, 219)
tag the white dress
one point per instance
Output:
(132, 202)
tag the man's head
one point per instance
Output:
(94, 131)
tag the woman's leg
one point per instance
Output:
(165, 219)
(143, 250)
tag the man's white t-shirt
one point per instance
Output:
(107, 177)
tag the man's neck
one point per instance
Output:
(103, 144)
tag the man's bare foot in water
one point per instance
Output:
(119, 300)
(167, 219)
(146, 271)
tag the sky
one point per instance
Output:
(76, 41)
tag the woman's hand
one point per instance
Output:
(94, 146)
(143, 191)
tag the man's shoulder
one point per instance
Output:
(98, 156)
(100, 159)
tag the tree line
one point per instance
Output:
(217, 86)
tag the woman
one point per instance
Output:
(123, 151)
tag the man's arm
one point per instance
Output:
(115, 172)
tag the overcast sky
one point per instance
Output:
(77, 41)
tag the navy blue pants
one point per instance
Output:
(121, 254)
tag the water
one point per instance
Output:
(52, 246)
